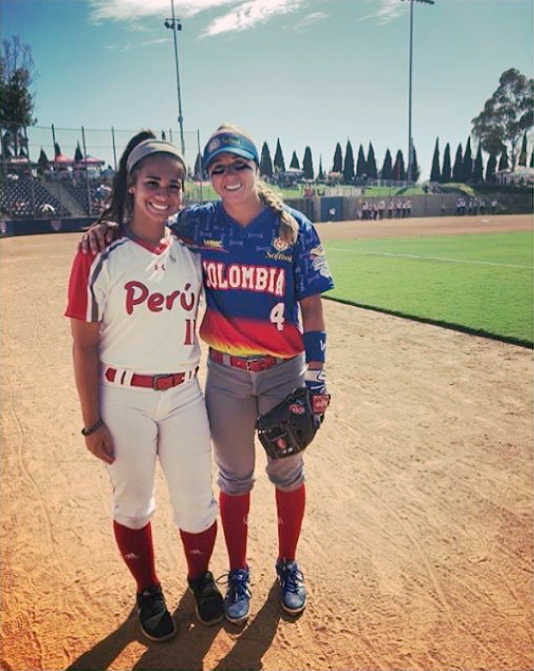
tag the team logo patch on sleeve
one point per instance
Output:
(319, 262)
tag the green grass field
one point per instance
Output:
(478, 283)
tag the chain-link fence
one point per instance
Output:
(52, 171)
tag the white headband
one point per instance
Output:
(147, 147)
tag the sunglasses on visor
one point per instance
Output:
(237, 166)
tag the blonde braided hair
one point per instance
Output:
(289, 228)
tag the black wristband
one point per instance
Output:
(92, 429)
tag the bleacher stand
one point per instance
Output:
(98, 192)
(16, 198)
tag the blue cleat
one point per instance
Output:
(237, 599)
(292, 589)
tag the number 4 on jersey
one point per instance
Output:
(277, 316)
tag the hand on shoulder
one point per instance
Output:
(98, 237)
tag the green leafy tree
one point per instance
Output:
(491, 166)
(361, 163)
(307, 164)
(434, 170)
(522, 160)
(477, 175)
(279, 164)
(197, 170)
(458, 167)
(468, 162)
(446, 170)
(506, 115)
(78, 156)
(399, 171)
(16, 101)
(320, 174)
(266, 163)
(504, 162)
(295, 161)
(42, 161)
(348, 167)
(372, 172)
(387, 167)
(416, 170)
(337, 164)
(531, 164)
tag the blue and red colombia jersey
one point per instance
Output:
(254, 280)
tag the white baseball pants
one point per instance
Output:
(171, 425)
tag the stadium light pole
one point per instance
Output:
(175, 24)
(410, 139)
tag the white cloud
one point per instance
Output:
(248, 14)
(387, 10)
(236, 15)
(129, 46)
(309, 19)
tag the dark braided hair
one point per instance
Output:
(119, 208)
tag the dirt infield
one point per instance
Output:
(417, 544)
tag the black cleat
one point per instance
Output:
(156, 621)
(209, 600)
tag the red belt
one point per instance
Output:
(157, 382)
(252, 365)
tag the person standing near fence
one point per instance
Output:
(132, 309)
(264, 272)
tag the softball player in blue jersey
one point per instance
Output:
(264, 271)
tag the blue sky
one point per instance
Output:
(309, 72)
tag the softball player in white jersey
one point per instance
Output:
(133, 309)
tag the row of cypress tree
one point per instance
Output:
(468, 170)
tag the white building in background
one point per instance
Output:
(520, 177)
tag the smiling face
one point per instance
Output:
(156, 188)
(235, 179)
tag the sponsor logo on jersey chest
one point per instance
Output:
(214, 244)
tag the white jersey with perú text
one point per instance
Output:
(146, 299)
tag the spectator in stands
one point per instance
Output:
(47, 210)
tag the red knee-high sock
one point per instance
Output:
(198, 549)
(234, 516)
(137, 550)
(290, 507)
